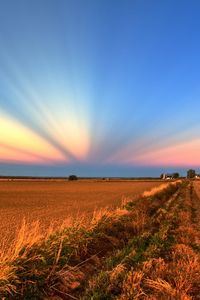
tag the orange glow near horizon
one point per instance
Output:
(17, 156)
(184, 154)
(19, 143)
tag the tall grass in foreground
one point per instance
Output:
(65, 262)
(171, 268)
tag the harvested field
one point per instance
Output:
(147, 249)
(54, 201)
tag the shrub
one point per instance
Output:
(72, 177)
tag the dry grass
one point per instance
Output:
(159, 188)
(60, 257)
(176, 273)
(148, 249)
(51, 202)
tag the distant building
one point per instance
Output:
(169, 176)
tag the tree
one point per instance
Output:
(72, 177)
(176, 175)
(191, 173)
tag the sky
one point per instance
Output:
(99, 88)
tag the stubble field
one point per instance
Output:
(148, 248)
(54, 201)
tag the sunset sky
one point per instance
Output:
(99, 87)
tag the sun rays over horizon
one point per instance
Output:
(99, 84)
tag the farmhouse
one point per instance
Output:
(167, 176)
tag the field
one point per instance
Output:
(54, 201)
(146, 249)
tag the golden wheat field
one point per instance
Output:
(54, 201)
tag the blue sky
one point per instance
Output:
(99, 87)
